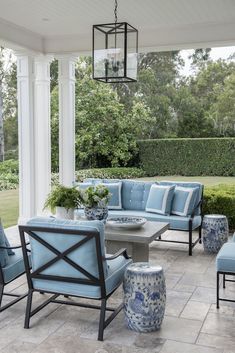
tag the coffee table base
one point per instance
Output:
(138, 251)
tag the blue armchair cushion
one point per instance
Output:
(115, 202)
(184, 201)
(225, 260)
(85, 256)
(113, 279)
(160, 199)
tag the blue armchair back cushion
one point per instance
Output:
(85, 256)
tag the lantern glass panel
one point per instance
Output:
(114, 52)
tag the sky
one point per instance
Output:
(215, 54)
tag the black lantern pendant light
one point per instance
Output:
(115, 48)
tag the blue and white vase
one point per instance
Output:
(93, 213)
(214, 232)
(144, 297)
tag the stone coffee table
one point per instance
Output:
(136, 241)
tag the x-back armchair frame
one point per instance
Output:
(90, 280)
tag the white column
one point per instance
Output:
(66, 119)
(42, 130)
(25, 94)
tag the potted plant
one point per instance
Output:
(95, 199)
(63, 200)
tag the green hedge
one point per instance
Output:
(105, 173)
(220, 199)
(189, 157)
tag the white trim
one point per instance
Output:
(187, 202)
(164, 200)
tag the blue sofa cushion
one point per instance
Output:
(83, 186)
(160, 199)
(115, 202)
(184, 201)
(135, 194)
(234, 237)
(114, 278)
(175, 222)
(85, 256)
(225, 260)
(192, 185)
(15, 266)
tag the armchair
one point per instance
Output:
(11, 267)
(68, 259)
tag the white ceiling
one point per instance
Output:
(58, 26)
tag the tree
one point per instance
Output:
(200, 57)
(222, 112)
(156, 87)
(105, 132)
(7, 93)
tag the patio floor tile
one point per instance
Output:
(192, 323)
(178, 347)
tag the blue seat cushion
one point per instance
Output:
(225, 260)
(160, 199)
(114, 278)
(175, 222)
(15, 266)
(234, 237)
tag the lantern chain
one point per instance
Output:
(115, 11)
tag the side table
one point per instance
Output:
(214, 232)
(144, 297)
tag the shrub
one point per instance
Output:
(110, 173)
(9, 166)
(220, 199)
(104, 173)
(190, 157)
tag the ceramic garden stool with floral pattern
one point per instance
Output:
(144, 297)
(214, 232)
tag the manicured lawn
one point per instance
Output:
(206, 180)
(9, 207)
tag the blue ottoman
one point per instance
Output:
(214, 232)
(144, 297)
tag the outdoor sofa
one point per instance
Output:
(139, 198)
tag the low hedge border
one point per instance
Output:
(105, 173)
(188, 157)
(220, 199)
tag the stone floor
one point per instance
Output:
(192, 324)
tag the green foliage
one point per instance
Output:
(9, 166)
(110, 173)
(191, 157)
(9, 178)
(105, 133)
(62, 196)
(95, 196)
(220, 199)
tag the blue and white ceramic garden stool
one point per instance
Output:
(144, 297)
(214, 232)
